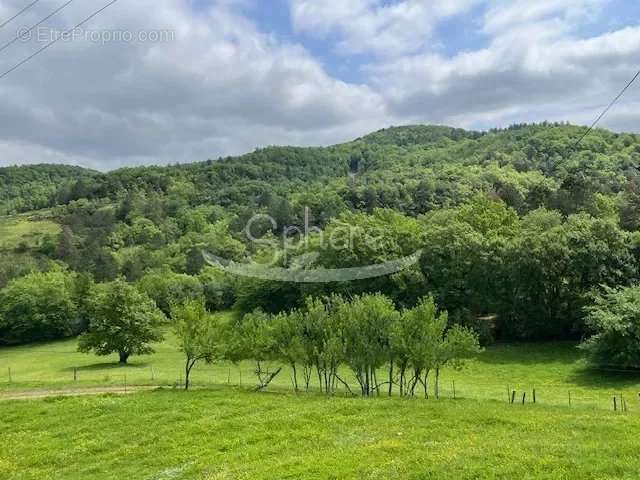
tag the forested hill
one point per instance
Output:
(418, 134)
(32, 187)
(521, 225)
(413, 169)
(519, 162)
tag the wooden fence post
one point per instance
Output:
(623, 404)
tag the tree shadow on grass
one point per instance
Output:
(605, 379)
(107, 366)
(531, 353)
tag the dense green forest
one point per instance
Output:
(521, 230)
(34, 187)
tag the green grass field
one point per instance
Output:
(228, 433)
(224, 430)
(555, 370)
(19, 229)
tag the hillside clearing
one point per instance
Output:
(25, 230)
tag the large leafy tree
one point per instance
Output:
(39, 306)
(600, 255)
(361, 240)
(122, 320)
(167, 288)
(358, 239)
(463, 254)
(537, 263)
(614, 320)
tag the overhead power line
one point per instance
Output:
(7, 22)
(606, 110)
(57, 39)
(22, 34)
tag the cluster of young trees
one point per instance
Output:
(365, 334)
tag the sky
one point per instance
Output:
(168, 81)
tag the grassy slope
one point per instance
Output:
(21, 228)
(553, 369)
(229, 432)
(226, 433)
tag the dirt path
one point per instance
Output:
(70, 392)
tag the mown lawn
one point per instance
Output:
(555, 370)
(228, 433)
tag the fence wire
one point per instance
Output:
(625, 399)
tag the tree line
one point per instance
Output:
(362, 331)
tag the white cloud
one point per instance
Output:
(375, 26)
(535, 67)
(505, 15)
(222, 87)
